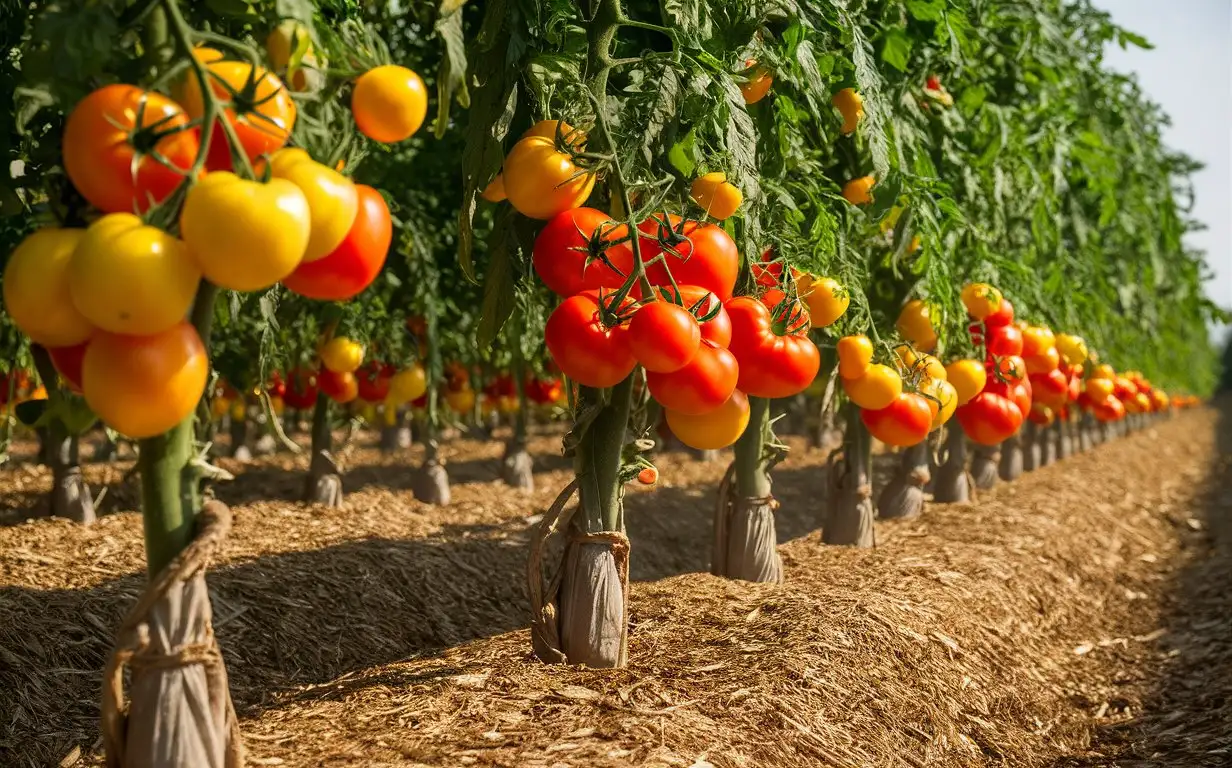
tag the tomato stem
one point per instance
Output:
(752, 477)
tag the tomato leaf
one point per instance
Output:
(451, 78)
(896, 48)
(499, 298)
(683, 153)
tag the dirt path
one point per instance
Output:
(1023, 630)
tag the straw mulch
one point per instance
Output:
(1022, 630)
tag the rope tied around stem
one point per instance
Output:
(135, 651)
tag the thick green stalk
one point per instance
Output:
(321, 435)
(169, 499)
(598, 459)
(752, 479)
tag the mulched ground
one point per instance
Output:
(1080, 616)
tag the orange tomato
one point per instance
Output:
(261, 110)
(389, 103)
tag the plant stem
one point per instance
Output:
(598, 460)
(752, 480)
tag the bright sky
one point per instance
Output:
(1189, 73)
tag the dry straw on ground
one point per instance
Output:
(388, 633)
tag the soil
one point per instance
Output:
(1079, 616)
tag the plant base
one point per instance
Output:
(517, 466)
(324, 484)
(1012, 460)
(745, 540)
(431, 483)
(984, 461)
(952, 483)
(903, 496)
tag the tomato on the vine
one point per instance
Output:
(389, 103)
(981, 300)
(587, 351)
(1037, 340)
(906, 421)
(771, 365)
(704, 302)
(859, 191)
(855, 355)
(664, 337)
(968, 378)
(850, 105)
(1002, 315)
(1051, 388)
(332, 198)
(876, 388)
(341, 355)
(826, 299)
(701, 386)
(116, 141)
(717, 196)
(142, 386)
(68, 362)
(342, 388)
(714, 430)
(564, 246)
(374, 381)
(1003, 340)
(1099, 390)
(36, 288)
(301, 391)
(356, 261)
(541, 181)
(259, 108)
(989, 418)
(695, 253)
(757, 82)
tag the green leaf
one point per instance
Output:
(1125, 38)
(926, 10)
(682, 154)
(885, 196)
(499, 297)
(233, 8)
(451, 78)
(896, 48)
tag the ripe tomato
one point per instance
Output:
(1099, 390)
(981, 300)
(111, 160)
(664, 337)
(1103, 371)
(541, 181)
(717, 197)
(989, 418)
(408, 384)
(1003, 340)
(851, 106)
(36, 288)
(1037, 340)
(495, 191)
(648, 476)
(586, 350)
(757, 82)
(771, 365)
(356, 261)
(695, 253)
(701, 303)
(342, 388)
(946, 400)
(768, 271)
(301, 393)
(876, 388)
(714, 430)
(374, 381)
(68, 362)
(389, 103)
(927, 365)
(332, 198)
(564, 246)
(1018, 393)
(1010, 368)
(1047, 361)
(126, 277)
(246, 235)
(826, 299)
(1072, 348)
(859, 191)
(968, 378)
(904, 422)
(260, 110)
(1111, 409)
(1051, 388)
(701, 386)
(1003, 315)
(341, 355)
(855, 354)
(915, 325)
(144, 385)
(461, 401)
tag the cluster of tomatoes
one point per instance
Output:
(109, 300)
(898, 410)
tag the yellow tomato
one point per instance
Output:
(292, 54)
(332, 198)
(36, 291)
(879, 386)
(126, 277)
(718, 197)
(930, 366)
(851, 106)
(541, 181)
(826, 299)
(547, 129)
(239, 410)
(915, 325)
(389, 103)
(495, 191)
(1072, 348)
(945, 402)
(143, 386)
(1099, 390)
(981, 300)
(714, 430)
(968, 378)
(1103, 371)
(408, 384)
(462, 401)
(855, 354)
(341, 355)
(859, 191)
(219, 407)
(757, 84)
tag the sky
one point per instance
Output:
(1189, 74)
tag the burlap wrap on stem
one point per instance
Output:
(545, 598)
(758, 558)
(849, 507)
(191, 722)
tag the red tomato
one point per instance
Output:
(102, 161)
(770, 365)
(501, 386)
(1011, 368)
(301, 391)
(648, 476)
(357, 260)
(695, 253)
(904, 422)
(68, 361)
(1004, 315)
(1003, 340)
(1051, 389)
(373, 379)
(664, 337)
(769, 271)
(586, 350)
(703, 385)
(340, 387)
(793, 315)
(276, 386)
(564, 247)
(703, 302)
(1111, 409)
(989, 418)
